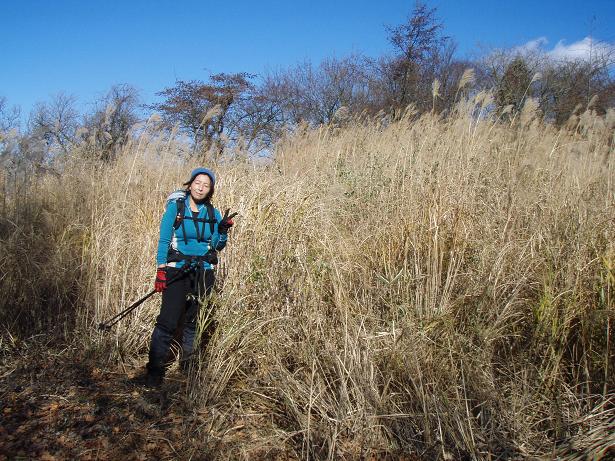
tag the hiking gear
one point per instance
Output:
(154, 381)
(211, 257)
(154, 377)
(181, 217)
(106, 326)
(183, 299)
(161, 280)
(196, 238)
(201, 170)
(227, 222)
(180, 197)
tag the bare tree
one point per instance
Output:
(55, 123)
(9, 116)
(21, 154)
(108, 127)
(420, 46)
(562, 86)
(257, 122)
(451, 78)
(570, 86)
(9, 139)
(315, 94)
(204, 109)
(9, 123)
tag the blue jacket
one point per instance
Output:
(170, 237)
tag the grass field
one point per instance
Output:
(420, 289)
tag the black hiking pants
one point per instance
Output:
(180, 300)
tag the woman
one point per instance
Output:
(191, 231)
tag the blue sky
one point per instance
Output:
(84, 47)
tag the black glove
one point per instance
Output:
(227, 222)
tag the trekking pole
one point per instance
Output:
(106, 326)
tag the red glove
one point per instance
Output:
(161, 280)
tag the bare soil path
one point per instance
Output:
(61, 406)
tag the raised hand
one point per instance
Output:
(227, 222)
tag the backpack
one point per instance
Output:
(179, 197)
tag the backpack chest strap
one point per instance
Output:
(180, 217)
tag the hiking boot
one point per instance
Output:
(138, 380)
(153, 380)
(155, 375)
(147, 379)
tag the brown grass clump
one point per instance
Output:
(433, 288)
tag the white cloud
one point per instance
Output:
(532, 46)
(582, 49)
(588, 48)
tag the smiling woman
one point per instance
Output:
(200, 188)
(187, 254)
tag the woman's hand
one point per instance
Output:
(227, 222)
(161, 280)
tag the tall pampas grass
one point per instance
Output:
(438, 288)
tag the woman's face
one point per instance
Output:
(200, 187)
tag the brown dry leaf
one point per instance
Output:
(46, 456)
(89, 418)
(103, 443)
(66, 442)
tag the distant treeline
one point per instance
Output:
(251, 112)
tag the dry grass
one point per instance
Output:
(440, 288)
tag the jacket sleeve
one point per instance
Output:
(218, 240)
(166, 233)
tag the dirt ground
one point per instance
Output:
(59, 405)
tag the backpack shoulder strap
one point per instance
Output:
(179, 197)
(211, 217)
(181, 209)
